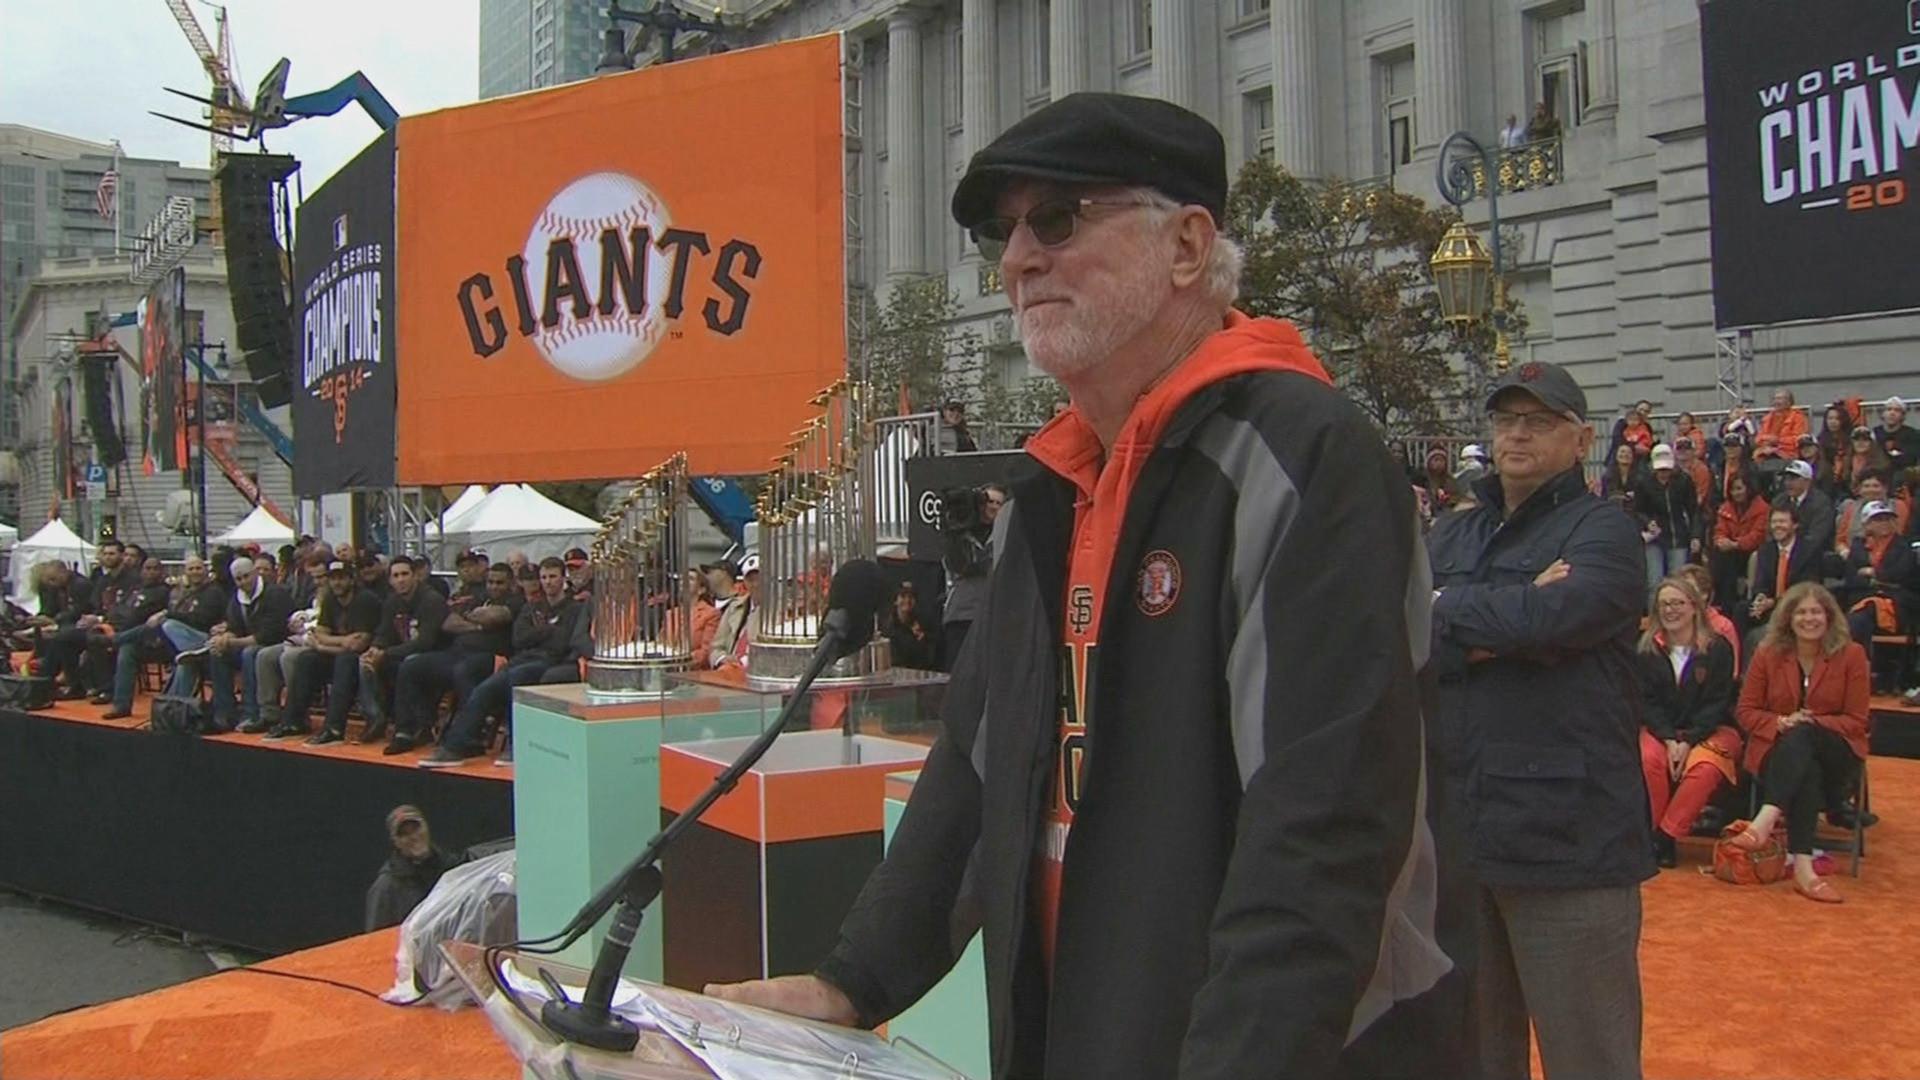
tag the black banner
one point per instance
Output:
(1813, 120)
(163, 375)
(343, 381)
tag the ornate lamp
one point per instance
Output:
(1462, 275)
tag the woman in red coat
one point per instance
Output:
(1688, 746)
(1804, 709)
(1739, 528)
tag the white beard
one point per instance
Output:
(1066, 340)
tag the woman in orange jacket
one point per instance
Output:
(1804, 709)
(1739, 528)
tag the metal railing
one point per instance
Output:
(898, 440)
(1522, 168)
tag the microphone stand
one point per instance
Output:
(592, 1021)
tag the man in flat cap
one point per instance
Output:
(1540, 592)
(1184, 785)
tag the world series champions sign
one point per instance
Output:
(1813, 122)
(598, 276)
(344, 386)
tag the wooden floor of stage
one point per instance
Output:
(81, 712)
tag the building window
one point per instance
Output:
(1040, 53)
(1397, 130)
(1249, 8)
(1139, 28)
(1555, 39)
(956, 53)
(1257, 107)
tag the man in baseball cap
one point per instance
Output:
(1541, 587)
(1817, 517)
(1103, 213)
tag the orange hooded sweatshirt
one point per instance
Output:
(1104, 479)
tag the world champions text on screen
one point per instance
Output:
(1837, 132)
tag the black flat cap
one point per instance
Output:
(1109, 139)
(1549, 383)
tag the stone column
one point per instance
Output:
(1296, 91)
(1440, 70)
(1603, 93)
(979, 76)
(1173, 50)
(1066, 47)
(906, 238)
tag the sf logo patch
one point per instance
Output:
(1159, 583)
(1080, 608)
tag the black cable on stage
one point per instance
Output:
(326, 982)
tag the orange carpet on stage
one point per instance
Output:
(1741, 982)
(239, 1024)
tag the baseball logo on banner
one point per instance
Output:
(625, 287)
(611, 338)
(1813, 117)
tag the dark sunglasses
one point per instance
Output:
(1052, 223)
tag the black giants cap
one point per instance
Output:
(1108, 139)
(1550, 383)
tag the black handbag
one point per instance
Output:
(25, 692)
(175, 715)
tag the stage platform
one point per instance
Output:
(265, 845)
(1741, 982)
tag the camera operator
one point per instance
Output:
(966, 520)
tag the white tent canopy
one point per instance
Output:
(259, 527)
(53, 542)
(516, 517)
(458, 509)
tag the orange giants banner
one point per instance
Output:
(593, 277)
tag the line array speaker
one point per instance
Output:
(257, 270)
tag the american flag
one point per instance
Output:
(105, 196)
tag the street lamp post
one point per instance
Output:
(1461, 265)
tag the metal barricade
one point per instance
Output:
(896, 441)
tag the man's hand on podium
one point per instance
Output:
(807, 996)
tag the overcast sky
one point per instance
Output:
(92, 68)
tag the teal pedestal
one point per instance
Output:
(586, 799)
(950, 1022)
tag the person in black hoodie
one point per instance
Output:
(66, 599)
(256, 618)
(125, 624)
(183, 628)
(550, 638)
(1669, 511)
(413, 867)
(480, 632)
(907, 636)
(1879, 594)
(349, 617)
(410, 625)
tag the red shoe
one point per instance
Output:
(1819, 891)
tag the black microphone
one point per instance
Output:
(853, 600)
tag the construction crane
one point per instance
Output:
(227, 107)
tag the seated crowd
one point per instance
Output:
(266, 642)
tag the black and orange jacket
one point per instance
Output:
(1257, 881)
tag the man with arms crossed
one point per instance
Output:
(1540, 594)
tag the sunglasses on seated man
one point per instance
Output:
(1051, 222)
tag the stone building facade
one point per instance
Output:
(52, 316)
(1613, 265)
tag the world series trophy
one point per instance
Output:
(816, 512)
(642, 594)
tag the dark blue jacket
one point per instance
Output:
(1542, 738)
